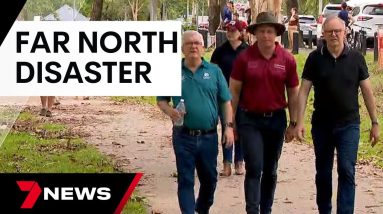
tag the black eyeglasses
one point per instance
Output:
(335, 31)
(196, 43)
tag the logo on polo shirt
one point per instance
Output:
(282, 67)
(206, 76)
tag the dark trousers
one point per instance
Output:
(227, 153)
(195, 152)
(345, 140)
(262, 139)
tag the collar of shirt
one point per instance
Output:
(325, 52)
(204, 64)
(227, 46)
(276, 52)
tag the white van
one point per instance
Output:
(368, 14)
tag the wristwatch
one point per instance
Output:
(293, 123)
(229, 124)
(374, 123)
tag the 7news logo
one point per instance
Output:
(60, 193)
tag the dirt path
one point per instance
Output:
(138, 137)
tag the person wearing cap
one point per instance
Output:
(224, 57)
(337, 73)
(261, 75)
(195, 143)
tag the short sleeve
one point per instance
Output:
(163, 98)
(292, 79)
(215, 56)
(239, 68)
(223, 88)
(363, 69)
(308, 70)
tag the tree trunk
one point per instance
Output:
(96, 10)
(153, 10)
(135, 7)
(214, 16)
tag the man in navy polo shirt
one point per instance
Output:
(204, 90)
(261, 75)
(336, 74)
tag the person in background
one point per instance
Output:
(345, 15)
(293, 25)
(224, 57)
(46, 105)
(227, 13)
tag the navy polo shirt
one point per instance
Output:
(224, 57)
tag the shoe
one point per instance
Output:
(56, 103)
(226, 172)
(239, 168)
(48, 114)
(43, 112)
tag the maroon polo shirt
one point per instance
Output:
(264, 80)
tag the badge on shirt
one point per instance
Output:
(206, 76)
(282, 67)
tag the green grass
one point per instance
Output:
(136, 100)
(52, 127)
(27, 116)
(22, 152)
(28, 152)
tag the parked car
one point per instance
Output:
(308, 23)
(328, 10)
(367, 14)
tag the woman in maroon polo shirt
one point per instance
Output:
(261, 75)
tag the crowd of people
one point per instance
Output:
(248, 89)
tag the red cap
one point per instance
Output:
(234, 25)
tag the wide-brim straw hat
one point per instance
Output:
(266, 18)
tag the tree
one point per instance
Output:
(214, 16)
(96, 10)
(258, 6)
(135, 7)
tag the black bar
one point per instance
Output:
(375, 46)
(204, 33)
(295, 43)
(285, 39)
(364, 43)
(310, 39)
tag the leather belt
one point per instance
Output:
(263, 114)
(198, 132)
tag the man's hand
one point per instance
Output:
(228, 138)
(290, 134)
(175, 115)
(374, 134)
(300, 132)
